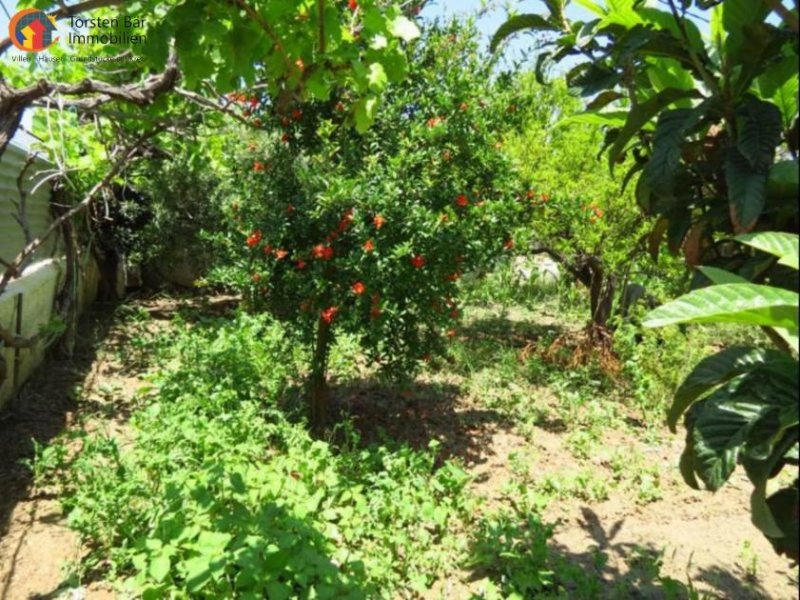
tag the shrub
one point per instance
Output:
(370, 234)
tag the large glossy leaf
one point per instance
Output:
(641, 114)
(759, 470)
(779, 84)
(784, 180)
(759, 131)
(720, 432)
(519, 23)
(783, 506)
(720, 276)
(608, 119)
(718, 369)
(592, 6)
(590, 78)
(671, 130)
(783, 245)
(747, 190)
(665, 20)
(760, 513)
(744, 303)
(735, 16)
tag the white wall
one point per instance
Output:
(41, 280)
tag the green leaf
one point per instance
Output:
(779, 84)
(160, 567)
(736, 14)
(671, 130)
(377, 77)
(742, 418)
(590, 78)
(747, 190)
(609, 119)
(762, 469)
(197, 572)
(364, 112)
(665, 20)
(519, 23)
(592, 6)
(744, 303)
(720, 276)
(783, 507)
(603, 99)
(404, 28)
(760, 513)
(783, 245)
(641, 114)
(784, 180)
(719, 434)
(758, 124)
(716, 370)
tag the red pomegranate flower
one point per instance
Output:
(418, 261)
(462, 200)
(352, 5)
(322, 252)
(329, 314)
(359, 288)
(297, 114)
(509, 244)
(301, 264)
(268, 249)
(254, 239)
(281, 254)
(379, 221)
(369, 246)
(258, 167)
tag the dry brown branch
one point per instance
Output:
(18, 263)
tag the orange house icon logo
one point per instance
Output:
(31, 30)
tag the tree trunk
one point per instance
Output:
(318, 385)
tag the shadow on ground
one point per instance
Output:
(628, 570)
(44, 407)
(384, 415)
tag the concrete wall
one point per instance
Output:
(30, 297)
(33, 294)
(12, 239)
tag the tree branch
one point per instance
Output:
(13, 102)
(16, 266)
(786, 14)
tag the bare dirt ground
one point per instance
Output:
(695, 536)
